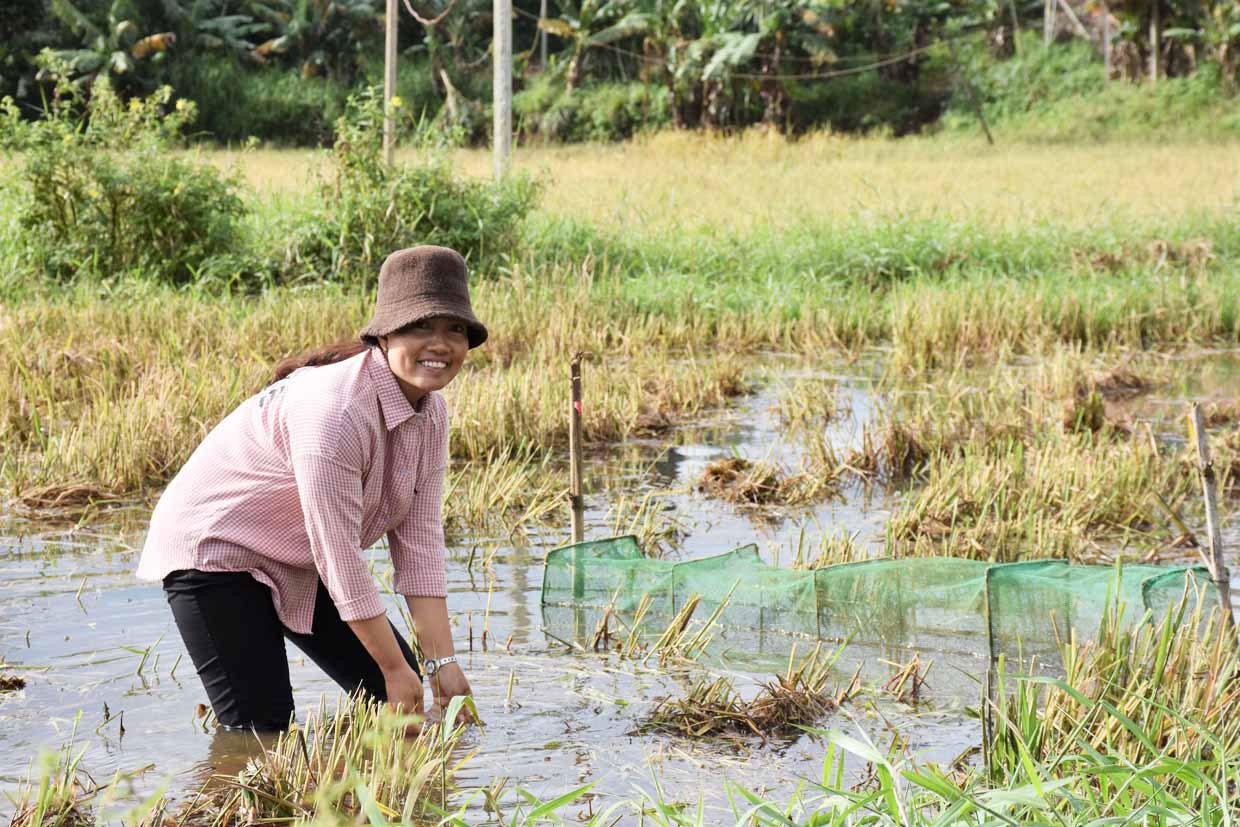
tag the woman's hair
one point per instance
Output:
(326, 355)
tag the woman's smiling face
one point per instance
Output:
(426, 355)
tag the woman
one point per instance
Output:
(260, 535)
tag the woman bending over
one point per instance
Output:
(260, 535)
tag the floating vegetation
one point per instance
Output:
(744, 482)
(713, 706)
(739, 480)
(11, 683)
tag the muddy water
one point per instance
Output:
(103, 659)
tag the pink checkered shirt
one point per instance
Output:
(300, 478)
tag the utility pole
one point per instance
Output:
(1155, 39)
(542, 36)
(389, 83)
(501, 51)
(1106, 40)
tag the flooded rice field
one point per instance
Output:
(104, 666)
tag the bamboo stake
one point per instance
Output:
(989, 687)
(576, 497)
(1205, 471)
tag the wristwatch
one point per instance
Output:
(433, 665)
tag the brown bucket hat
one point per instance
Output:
(419, 283)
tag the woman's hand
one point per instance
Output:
(448, 683)
(404, 690)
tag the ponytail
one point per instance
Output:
(326, 355)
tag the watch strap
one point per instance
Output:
(433, 665)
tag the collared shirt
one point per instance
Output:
(295, 483)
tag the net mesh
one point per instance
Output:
(936, 603)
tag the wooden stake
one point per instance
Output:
(576, 495)
(501, 99)
(1205, 471)
(389, 82)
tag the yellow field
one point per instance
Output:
(690, 180)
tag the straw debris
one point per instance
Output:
(744, 482)
(12, 683)
(714, 708)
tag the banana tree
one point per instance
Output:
(593, 24)
(114, 40)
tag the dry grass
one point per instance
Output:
(758, 179)
(354, 761)
(831, 549)
(713, 707)
(120, 392)
(811, 402)
(744, 482)
(1033, 461)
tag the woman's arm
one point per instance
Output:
(430, 620)
(404, 688)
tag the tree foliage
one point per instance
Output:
(723, 63)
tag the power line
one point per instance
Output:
(830, 73)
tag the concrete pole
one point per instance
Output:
(501, 52)
(542, 36)
(1155, 39)
(389, 82)
(1106, 40)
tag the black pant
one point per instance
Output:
(236, 640)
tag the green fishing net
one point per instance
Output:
(937, 603)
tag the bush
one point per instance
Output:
(273, 104)
(279, 105)
(602, 112)
(100, 193)
(365, 209)
(1058, 93)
